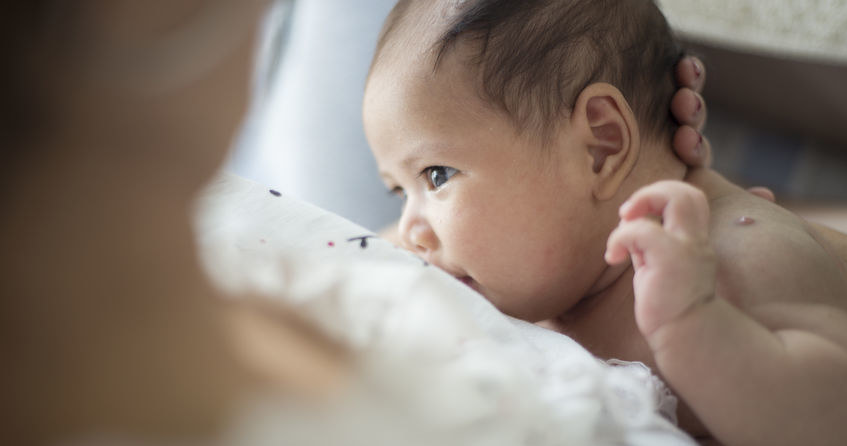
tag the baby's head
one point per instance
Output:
(515, 130)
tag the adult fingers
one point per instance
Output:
(691, 73)
(692, 147)
(689, 108)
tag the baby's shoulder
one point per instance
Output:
(767, 254)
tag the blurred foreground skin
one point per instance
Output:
(123, 110)
(739, 304)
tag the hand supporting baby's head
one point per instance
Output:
(515, 129)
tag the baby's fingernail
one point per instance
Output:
(699, 106)
(625, 208)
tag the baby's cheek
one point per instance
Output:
(470, 234)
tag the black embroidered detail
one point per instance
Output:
(363, 240)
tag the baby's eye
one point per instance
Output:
(398, 192)
(436, 176)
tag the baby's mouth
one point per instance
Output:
(464, 278)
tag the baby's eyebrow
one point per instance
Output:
(414, 157)
(406, 163)
(427, 149)
(385, 177)
(410, 160)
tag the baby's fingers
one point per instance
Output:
(683, 208)
(640, 239)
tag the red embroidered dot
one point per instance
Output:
(331, 244)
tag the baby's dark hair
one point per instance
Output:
(536, 56)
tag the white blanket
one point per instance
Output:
(438, 363)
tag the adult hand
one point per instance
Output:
(689, 109)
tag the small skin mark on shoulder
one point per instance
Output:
(744, 221)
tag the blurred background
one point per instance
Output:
(309, 142)
(776, 92)
(777, 95)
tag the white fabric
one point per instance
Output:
(439, 364)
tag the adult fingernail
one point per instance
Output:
(699, 106)
(698, 70)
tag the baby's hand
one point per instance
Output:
(665, 229)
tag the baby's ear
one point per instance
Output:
(609, 133)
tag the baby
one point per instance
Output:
(531, 141)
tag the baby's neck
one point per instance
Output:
(604, 322)
(656, 163)
(604, 317)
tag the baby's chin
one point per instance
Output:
(514, 307)
(502, 303)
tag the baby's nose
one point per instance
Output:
(418, 236)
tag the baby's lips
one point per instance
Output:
(470, 282)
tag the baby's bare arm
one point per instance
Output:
(758, 361)
(750, 385)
